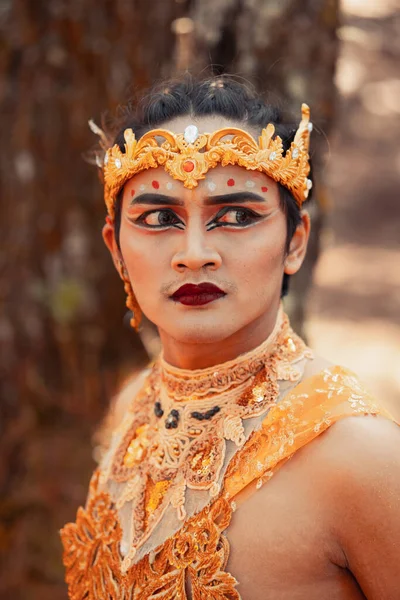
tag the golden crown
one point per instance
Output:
(188, 157)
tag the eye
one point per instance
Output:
(235, 217)
(158, 219)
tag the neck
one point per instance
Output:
(203, 355)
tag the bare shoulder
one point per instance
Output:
(358, 451)
(360, 441)
(361, 458)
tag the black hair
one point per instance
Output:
(222, 96)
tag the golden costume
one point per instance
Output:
(161, 501)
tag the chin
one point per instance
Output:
(201, 330)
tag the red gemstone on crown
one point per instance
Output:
(188, 166)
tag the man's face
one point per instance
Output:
(228, 232)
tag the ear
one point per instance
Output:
(298, 245)
(109, 240)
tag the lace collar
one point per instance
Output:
(186, 385)
(170, 456)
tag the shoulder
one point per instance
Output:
(355, 461)
(120, 404)
(359, 460)
(356, 445)
(125, 397)
(363, 458)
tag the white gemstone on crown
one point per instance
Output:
(310, 127)
(295, 153)
(272, 156)
(191, 134)
(118, 163)
(309, 184)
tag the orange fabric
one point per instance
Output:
(312, 407)
(198, 552)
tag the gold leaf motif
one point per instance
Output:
(229, 146)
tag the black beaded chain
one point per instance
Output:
(206, 416)
(171, 422)
(158, 411)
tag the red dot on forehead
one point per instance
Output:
(264, 189)
(133, 193)
(155, 185)
(231, 182)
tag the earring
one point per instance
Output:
(131, 302)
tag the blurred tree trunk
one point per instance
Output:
(62, 347)
(62, 344)
(288, 49)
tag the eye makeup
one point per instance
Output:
(237, 217)
(244, 217)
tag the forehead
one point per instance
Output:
(218, 180)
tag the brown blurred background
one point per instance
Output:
(64, 349)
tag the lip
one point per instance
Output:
(197, 295)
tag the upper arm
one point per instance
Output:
(367, 502)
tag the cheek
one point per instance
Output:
(144, 257)
(261, 253)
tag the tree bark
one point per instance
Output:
(62, 347)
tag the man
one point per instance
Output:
(242, 467)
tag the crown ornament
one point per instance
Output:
(188, 156)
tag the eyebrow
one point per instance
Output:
(236, 198)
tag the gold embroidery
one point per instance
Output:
(198, 552)
(309, 410)
(195, 448)
(137, 447)
(155, 493)
(189, 158)
(184, 385)
(95, 569)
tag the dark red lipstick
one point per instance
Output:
(197, 295)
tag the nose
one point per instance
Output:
(195, 254)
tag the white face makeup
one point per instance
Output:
(229, 233)
(174, 236)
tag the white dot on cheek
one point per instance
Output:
(142, 187)
(250, 183)
(211, 186)
(170, 185)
